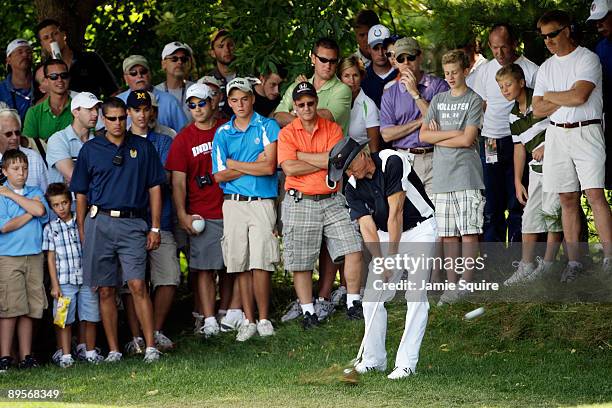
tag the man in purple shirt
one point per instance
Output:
(405, 103)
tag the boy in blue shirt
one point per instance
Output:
(64, 257)
(23, 212)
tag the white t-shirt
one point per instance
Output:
(559, 74)
(469, 80)
(495, 123)
(364, 115)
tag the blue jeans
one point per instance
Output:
(500, 195)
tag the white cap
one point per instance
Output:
(239, 83)
(378, 34)
(600, 9)
(201, 91)
(173, 47)
(210, 80)
(85, 100)
(13, 45)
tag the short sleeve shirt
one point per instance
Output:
(294, 138)
(232, 143)
(41, 123)
(559, 74)
(456, 169)
(65, 144)
(191, 153)
(333, 95)
(63, 238)
(37, 170)
(162, 145)
(19, 99)
(117, 187)
(364, 115)
(392, 175)
(169, 112)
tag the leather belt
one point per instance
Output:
(576, 124)
(139, 213)
(239, 197)
(298, 195)
(420, 150)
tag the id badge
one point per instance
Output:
(93, 211)
(490, 150)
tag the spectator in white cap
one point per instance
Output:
(380, 71)
(16, 90)
(602, 18)
(10, 135)
(177, 61)
(216, 91)
(63, 147)
(137, 75)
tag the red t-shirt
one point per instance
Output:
(190, 153)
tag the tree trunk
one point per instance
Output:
(73, 15)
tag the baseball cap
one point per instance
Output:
(341, 156)
(599, 9)
(85, 100)
(303, 88)
(173, 47)
(201, 91)
(377, 34)
(407, 45)
(218, 34)
(13, 45)
(136, 99)
(133, 60)
(210, 80)
(239, 83)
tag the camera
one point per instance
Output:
(204, 180)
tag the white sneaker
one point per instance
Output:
(338, 296)
(152, 355)
(522, 273)
(199, 319)
(362, 367)
(135, 346)
(544, 268)
(113, 357)
(95, 358)
(265, 328)
(80, 352)
(57, 356)
(400, 372)
(231, 322)
(66, 361)
(451, 296)
(324, 308)
(210, 328)
(162, 342)
(294, 310)
(246, 331)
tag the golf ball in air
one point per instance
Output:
(474, 313)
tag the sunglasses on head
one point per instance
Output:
(552, 34)
(310, 104)
(175, 58)
(116, 118)
(405, 57)
(56, 76)
(324, 60)
(137, 72)
(193, 105)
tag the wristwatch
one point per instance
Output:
(416, 98)
(155, 230)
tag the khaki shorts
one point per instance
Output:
(459, 213)
(574, 159)
(542, 212)
(164, 263)
(248, 235)
(22, 292)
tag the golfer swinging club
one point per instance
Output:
(389, 201)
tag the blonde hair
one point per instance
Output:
(456, 57)
(513, 70)
(350, 62)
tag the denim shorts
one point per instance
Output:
(83, 297)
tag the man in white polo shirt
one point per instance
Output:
(569, 91)
(496, 147)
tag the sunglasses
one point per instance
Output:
(55, 77)
(552, 34)
(193, 105)
(310, 104)
(323, 60)
(116, 118)
(175, 58)
(141, 72)
(405, 57)
(13, 133)
(389, 54)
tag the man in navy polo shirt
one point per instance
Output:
(118, 175)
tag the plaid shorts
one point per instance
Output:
(307, 222)
(459, 213)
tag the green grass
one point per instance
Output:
(514, 355)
